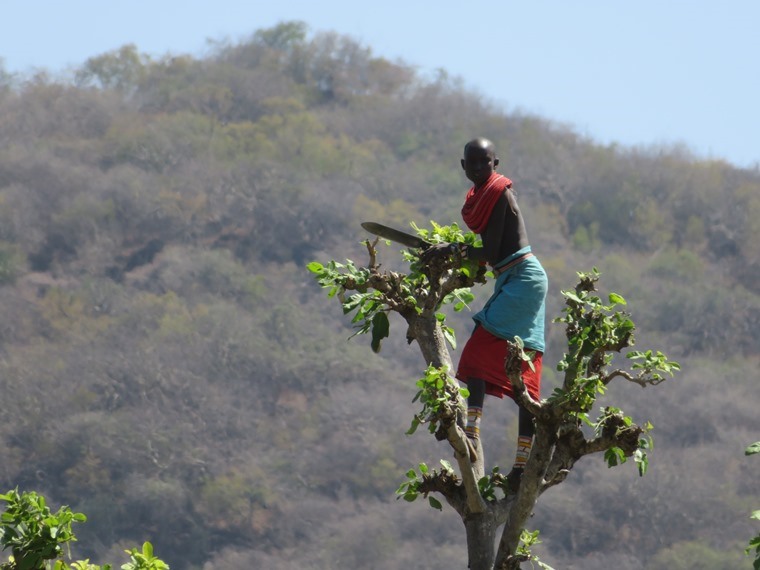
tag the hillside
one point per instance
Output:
(170, 369)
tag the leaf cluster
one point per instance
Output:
(144, 559)
(614, 424)
(491, 483)
(528, 539)
(439, 395)
(32, 532)
(426, 481)
(413, 293)
(36, 536)
(371, 312)
(595, 331)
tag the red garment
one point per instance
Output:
(483, 357)
(479, 202)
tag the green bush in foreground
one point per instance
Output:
(36, 536)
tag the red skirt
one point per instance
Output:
(483, 357)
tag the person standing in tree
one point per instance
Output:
(517, 306)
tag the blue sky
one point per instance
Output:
(645, 73)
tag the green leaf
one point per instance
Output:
(448, 334)
(616, 299)
(752, 449)
(755, 515)
(614, 456)
(435, 503)
(315, 267)
(572, 297)
(642, 462)
(380, 330)
(413, 427)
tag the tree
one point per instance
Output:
(121, 69)
(596, 331)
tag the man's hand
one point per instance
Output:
(437, 251)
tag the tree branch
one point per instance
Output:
(456, 437)
(640, 379)
(572, 445)
(513, 369)
(448, 485)
(531, 487)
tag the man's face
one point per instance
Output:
(478, 164)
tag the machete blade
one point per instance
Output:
(395, 235)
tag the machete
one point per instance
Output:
(396, 235)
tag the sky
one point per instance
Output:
(643, 74)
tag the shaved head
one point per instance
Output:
(479, 160)
(480, 143)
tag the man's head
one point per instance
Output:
(479, 160)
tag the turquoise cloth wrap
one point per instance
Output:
(517, 306)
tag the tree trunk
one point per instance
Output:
(530, 489)
(481, 537)
(480, 521)
(426, 331)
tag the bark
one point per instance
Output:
(527, 496)
(480, 518)
(471, 472)
(481, 534)
(427, 333)
(425, 330)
